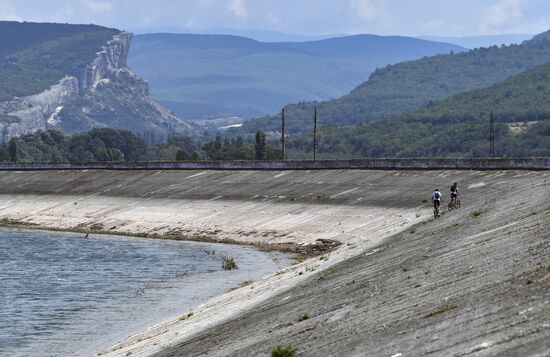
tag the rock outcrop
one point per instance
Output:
(110, 59)
(105, 93)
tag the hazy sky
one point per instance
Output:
(311, 17)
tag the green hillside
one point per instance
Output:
(406, 86)
(457, 126)
(201, 76)
(523, 97)
(35, 56)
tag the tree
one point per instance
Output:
(12, 150)
(214, 148)
(260, 145)
(109, 155)
(181, 156)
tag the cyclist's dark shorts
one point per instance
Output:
(437, 203)
(454, 195)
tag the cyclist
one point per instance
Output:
(454, 193)
(436, 199)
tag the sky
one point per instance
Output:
(303, 17)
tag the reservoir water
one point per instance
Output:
(66, 295)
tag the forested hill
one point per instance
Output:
(409, 85)
(205, 76)
(35, 56)
(457, 126)
(522, 97)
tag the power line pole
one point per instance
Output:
(283, 134)
(492, 135)
(315, 135)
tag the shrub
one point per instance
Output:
(288, 351)
(303, 317)
(228, 263)
(476, 213)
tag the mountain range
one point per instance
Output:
(409, 85)
(200, 76)
(472, 42)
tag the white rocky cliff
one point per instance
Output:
(50, 109)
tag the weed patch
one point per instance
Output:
(303, 317)
(228, 263)
(288, 351)
(185, 317)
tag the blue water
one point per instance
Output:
(66, 295)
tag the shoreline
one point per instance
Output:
(301, 253)
(233, 303)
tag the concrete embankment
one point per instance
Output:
(531, 163)
(269, 208)
(475, 282)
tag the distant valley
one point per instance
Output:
(202, 76)
(406, 86)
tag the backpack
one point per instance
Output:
(437, 195)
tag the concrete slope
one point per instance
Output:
(248, 207)
(398, 283)
(463, 285)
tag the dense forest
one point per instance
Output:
(35, 56)
(406, 86)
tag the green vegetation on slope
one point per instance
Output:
(37, 55)
(406, 86)
(201, 76)
(457, 126)
(523, 97)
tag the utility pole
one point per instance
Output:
(492, 135)
(283, 134)
(315, 135)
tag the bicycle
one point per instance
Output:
(436, 211)
(454, 204)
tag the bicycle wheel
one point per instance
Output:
(457, 203)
